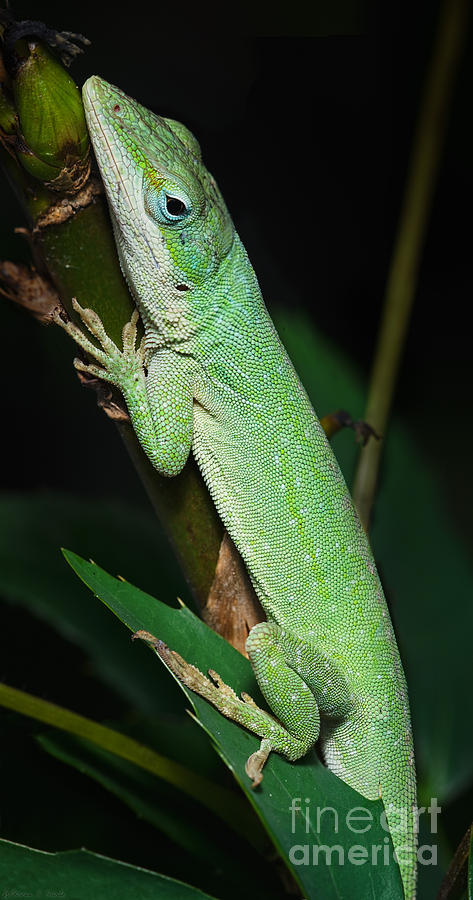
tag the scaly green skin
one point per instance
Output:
(218, 381)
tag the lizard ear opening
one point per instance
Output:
(186, 137)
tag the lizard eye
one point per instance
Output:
(165, 207)
(175, 207)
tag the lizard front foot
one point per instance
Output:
(119, 367)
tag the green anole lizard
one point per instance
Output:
(212, 376)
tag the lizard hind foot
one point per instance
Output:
(274, 736)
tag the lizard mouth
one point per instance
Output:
(103, 105)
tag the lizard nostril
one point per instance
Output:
(117, 108)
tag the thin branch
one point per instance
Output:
(402, 278)
(455, 880)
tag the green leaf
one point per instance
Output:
(186, 823)
(128, 541)
(32, 573)
(81, 875)
(305, 784)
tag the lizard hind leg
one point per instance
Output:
(296, 680)
(281, 659)
(243, 711)
(299, 683)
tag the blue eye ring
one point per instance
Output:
(165, 206)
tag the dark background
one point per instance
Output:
(306, 119)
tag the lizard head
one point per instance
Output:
(171, 224)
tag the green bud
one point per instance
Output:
(53, 144)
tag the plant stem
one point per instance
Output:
(455, 881)
(402, 277)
